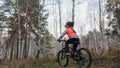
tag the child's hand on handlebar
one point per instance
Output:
(58, 40)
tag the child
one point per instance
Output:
(73, 37)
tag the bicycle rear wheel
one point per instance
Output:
(62, 58)
(85, 58)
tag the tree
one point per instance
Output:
(73, 10)
(59, 8)
(25, 19)
(113, 10)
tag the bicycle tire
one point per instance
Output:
(83, 59)
(61, 56)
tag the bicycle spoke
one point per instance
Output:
(85, 58)
(62, 59)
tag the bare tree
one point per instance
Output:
(60, 21)
(19, 34)
(73, 10)
(100, 20)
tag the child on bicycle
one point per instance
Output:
(73, 37)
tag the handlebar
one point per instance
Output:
(63, 40)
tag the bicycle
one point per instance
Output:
(82, 56)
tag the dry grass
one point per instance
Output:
(98, 62)
(110, 59)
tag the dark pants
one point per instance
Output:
(74, 41)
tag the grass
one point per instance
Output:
(106, 61)
(34, 63)
(51, 62)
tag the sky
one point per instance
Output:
(80, 17)
(86, 16)
(1, 2)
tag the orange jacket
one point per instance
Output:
(70, 32)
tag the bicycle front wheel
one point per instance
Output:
(62, 58)
(85, 58)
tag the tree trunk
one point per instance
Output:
(73, 10)
(19, 32)
(38, 52)
(59, 8)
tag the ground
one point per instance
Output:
(51, 62)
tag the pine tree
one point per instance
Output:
(113, 10)
(23, 20)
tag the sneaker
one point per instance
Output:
(67, 54)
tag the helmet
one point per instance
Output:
(69, 24)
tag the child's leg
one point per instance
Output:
(74, 46)
(66, 47)
(69, 41)
(76, 43)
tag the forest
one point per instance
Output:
(29, 30)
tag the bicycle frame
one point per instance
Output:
(70, 47)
